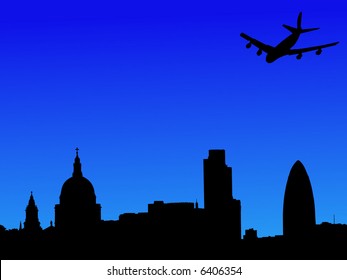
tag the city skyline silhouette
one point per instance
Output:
(174, 230)
(145, 90)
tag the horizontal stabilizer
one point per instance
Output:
(300, 30)
(290, 28)
(308, 29)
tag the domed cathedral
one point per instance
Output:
(299, 218)
(78, 210)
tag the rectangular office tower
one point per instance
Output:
(223, 211)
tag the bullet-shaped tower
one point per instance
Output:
(299, 218)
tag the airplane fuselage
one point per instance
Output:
(282, 48)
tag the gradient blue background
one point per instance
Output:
(145, 89)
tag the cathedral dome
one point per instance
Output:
(78, 210)
(77, 190)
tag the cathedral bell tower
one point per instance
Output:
(32, 223)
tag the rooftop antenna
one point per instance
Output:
(334, 219)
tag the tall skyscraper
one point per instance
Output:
(299, 218)
(223, 210)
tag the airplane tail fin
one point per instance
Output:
(298, 28)
(298, 22)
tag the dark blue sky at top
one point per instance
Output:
(145, 89)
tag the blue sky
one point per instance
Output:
(145, 89)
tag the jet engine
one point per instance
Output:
(259, 52)
(319, 51)
(248, 45)
(299, 56)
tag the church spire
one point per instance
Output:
(31, 200)
(31, 222)
(77, 167)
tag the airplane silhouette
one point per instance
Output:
(284, 47)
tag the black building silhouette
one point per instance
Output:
(175, 230)
(222, 210)
(77, 210)
(299, 218)
(180, 224)
(32, 223)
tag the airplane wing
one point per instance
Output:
(260, 45)
(315, 48)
